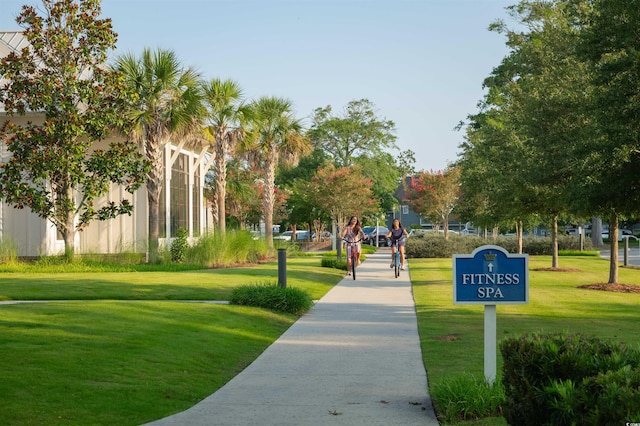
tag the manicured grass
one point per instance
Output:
(118, 362)
(452, 336)
(203, 284)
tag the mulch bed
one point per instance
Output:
(556, 269)
(618, 288)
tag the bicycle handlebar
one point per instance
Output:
(395, 241)
(351, 242)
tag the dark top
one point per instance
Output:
(396, 234)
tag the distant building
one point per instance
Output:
(410, 218)
(403, 212)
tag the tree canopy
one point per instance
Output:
(54, 168)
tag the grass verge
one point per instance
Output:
(118, 363)
(201, 284)
(452, 336)
(96, 361)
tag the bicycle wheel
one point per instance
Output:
(396, 264)
(353, 265)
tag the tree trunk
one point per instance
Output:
(268, 198)
(554, 241)
(221, 178)
(154, 185)
(445, 219)
(69, 236)
(613, 241)
(214, 210)
(69, 233)
(519, 235)
(154, 220)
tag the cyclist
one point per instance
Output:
(396, 234)
(353, 234)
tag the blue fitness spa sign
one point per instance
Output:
(490, 276)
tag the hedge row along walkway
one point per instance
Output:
(353, 359)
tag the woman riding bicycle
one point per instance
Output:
(397, 234)
(353, 234)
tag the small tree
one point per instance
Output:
(435, 194)
(61, 74)
(341, 192)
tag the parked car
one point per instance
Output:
(374, 234)
(304, 235)
(622, 233)
(288, 235)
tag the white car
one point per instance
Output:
(622, 233)
(288, 235)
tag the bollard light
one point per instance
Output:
(282, 267)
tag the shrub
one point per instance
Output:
(230, 248)
(433, 245)
(549, 378)
(333, 262)
(8, 251)
(179, 245)
(468, 397)
(616, 394)
(592, 253)
(271, 296)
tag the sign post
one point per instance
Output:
(490, 276)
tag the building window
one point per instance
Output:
(197, 203)
(179, 202)
(405, 209)
(163, 210)
(179, 194)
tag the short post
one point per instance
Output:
(334, 233)
(282, 267)
(338, 243)
(581, 237)
(626, 251)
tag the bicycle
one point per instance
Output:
(352, 254)
(396, 257)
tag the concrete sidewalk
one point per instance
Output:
(353, 359)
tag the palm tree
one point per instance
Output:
(275, 136)
(242, 195)
(223, 99)
(167, 107)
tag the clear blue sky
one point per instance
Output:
(421, 62)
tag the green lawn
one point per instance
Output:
(113, 362)
(452, 336)
(107, 360)
(209, 284)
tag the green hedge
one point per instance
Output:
(433, 245)
(561, 379)
(334, 262)
(271, 296)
